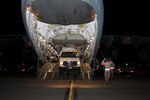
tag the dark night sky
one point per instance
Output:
(122, 17)
(126, 17)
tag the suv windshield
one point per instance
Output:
(69, 54)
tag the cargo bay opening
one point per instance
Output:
(53, 25)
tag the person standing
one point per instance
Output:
(112, 69)
(107, 64)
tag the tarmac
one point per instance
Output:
(22, 86)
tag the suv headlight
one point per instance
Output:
(61, 63)
(78, 62)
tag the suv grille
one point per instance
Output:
(71, 63)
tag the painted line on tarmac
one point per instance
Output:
(70, 93)
(71, 90)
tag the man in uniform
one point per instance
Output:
(107, 64)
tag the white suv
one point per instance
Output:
(69, 60)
